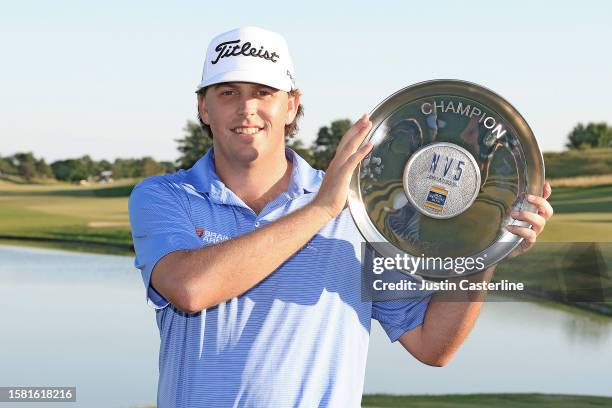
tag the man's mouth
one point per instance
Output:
(246, 130)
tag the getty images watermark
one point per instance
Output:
(398, 275)
(576, 273)
(449, 265)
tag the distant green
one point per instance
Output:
(484, 400)
(480, 400)
(574, 163)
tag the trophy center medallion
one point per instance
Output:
(441, 180)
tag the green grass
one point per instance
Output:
(81, 217)
(481, 400)
(573, 163)
(582, 214)
(484, 400)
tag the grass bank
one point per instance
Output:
(578, 163)
(480, 400)
(484, 400)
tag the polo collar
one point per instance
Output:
(203, 176)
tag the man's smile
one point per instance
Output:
(248, 130)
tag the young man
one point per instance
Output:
(252, 261)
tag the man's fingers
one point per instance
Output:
(353, 129)
(537, 221)
(526, 233)
(355, 141)
(358, 156)
(547, 190)
(544, 207)
(354, 136)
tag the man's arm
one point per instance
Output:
(193, 280)
(447, 323)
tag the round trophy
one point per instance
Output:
(451, 161)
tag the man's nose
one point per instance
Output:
(247, 106)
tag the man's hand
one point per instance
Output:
(447, 323)
(334, 189)
(537, 221)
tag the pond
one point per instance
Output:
(76, 319)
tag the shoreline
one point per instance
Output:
(598, 309)
(73, 245)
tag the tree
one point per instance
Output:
(61, 169)
(149, 167)
(42, 168)
(306, 153)
(74, 169)
(7, 166)
(103, 165)
(591, 135)
(327, 140)
(167, 167)
(193, 146)
(26, 165)
(125, 168)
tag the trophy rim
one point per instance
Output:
(534, 160)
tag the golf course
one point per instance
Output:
(97, 215)
(94, 218)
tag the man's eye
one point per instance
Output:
(227, 93)
(264, 92)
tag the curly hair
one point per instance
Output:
(290, 129)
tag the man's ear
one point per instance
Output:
(203, 109)
(293, 103)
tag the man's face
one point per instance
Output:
(247, 120)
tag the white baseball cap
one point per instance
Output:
(249, 54)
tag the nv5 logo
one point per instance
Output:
(451, 168)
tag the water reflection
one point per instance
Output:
(587, 330)
(81, 319)
(514, 347)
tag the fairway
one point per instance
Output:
(67, 213)
(99, 214)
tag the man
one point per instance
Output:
(252, 261)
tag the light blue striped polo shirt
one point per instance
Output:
(299, 338)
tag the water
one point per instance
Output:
(72, 319)
(516, 347)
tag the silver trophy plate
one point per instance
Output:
(451, 161)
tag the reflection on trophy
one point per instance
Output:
(451, 161)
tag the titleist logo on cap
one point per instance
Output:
(234, 48)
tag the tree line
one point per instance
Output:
(589, 136)
(196, 142)
(28, 167)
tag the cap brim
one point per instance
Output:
(264, 78)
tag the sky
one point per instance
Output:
(117, 79)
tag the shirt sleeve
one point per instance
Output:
(160, 224)
(399, 316)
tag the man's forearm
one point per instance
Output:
(449, 319)
(207, 276)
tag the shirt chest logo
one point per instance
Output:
(209, 236)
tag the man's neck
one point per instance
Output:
(256, 183)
